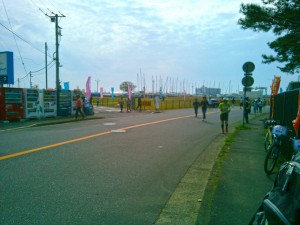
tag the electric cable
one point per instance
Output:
(14, 38)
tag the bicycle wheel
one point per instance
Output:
(268, 141)
(271, 159)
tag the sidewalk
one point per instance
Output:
(24, 123)
(237, 188)
(100, 113)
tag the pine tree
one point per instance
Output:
(282, 17)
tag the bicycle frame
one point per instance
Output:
(269, 137)
(278, 133)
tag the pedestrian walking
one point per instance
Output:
(241, 102)
(233, 102)
(98, 101)
(204, 105)
(260, 105)
(121, 104)
(247, 109)
(139, 103)
(78, 107)
(196, 106)
(255, 106)
(128, 104)
(224, 107)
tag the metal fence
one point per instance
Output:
(285, 107)
(147, 104)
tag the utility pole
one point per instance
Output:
(97, 84)
(54, 18)
(46, 67)
(57, 32)
(30, 79)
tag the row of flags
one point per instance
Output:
(88, 92)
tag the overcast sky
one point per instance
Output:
(180, 44)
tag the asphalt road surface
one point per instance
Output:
(118, 170)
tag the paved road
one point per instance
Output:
(119, 170)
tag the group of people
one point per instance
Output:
(129, 104)
(257, 104)
(224, 108)
(83, 106)
(203, 104)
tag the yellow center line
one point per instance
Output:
(84, 138)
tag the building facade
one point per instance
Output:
(208, 91)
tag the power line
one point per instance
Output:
(44, 67)
(37, 70)
(14, 37)
(27, 42)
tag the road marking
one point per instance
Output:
(109, 124)
(118, 131)
(52, 146)
(18, 128)
(90, 136)
(85, 138)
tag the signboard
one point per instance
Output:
(248, 67)
(247, 81)
(6, 68)
(146, 103)
(275, 85)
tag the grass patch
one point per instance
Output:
(242, 127)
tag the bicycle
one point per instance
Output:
(279, 133)
(269, 124)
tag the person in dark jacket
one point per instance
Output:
(121, 104)
(204, 104)
(128, 104)
(196, 106)
(247, 109)
(139, 103)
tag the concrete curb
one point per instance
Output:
(38, 123)
(185, 203)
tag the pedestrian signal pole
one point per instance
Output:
(247, 82)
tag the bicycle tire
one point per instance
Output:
(271, 159)
(268, 141)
